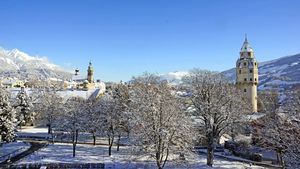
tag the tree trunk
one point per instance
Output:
(278, 157)
(74, 149)
(75, 139)
(49, 128)
(52, 137)
(210, 150)
(118, 142)
(74, 145)
(110, 144)
(109, 150)
(94, 138)
(281, 163)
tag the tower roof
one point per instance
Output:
(246, 46)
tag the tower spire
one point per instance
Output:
(246, 40)
(90, 73)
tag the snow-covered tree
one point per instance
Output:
(70, 119)
(217, 104)
(110, 119)
(48, 104)
(8, 119)
(92, 118)
(23, 106)
(291, 108)
(161, 125)
(278, 130)
(121, 95)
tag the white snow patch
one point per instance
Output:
(128, 157)
(8, 150)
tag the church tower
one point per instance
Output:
(247, 74)
(90, 73)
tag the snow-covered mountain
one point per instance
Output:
(14, 63)
(282, 73)
(174, 77)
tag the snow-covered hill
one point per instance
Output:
(14, 63)
(174, 77)
(282, 73)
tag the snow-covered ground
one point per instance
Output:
(128, 157)
(8, 150)
(33, 132)
(42, 134)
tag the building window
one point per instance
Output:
(249, 53)
(255, 63)
(255, 79)
(245, 79)
(245, 90)
(240, 71)
(251, 79)
(251, 71)
(245, 64)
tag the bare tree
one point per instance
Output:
(278, 130)
(48, 104)
(217, 104)
(92, 117)
(161, 126)
(121, 95)
(71, 119)
(110, 121)
(291, 109)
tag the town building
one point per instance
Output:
(247, 74)
(86, 82)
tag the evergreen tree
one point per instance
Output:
(23, 106)
(7, 118)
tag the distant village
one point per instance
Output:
(81, 85)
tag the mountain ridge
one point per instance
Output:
(15, 63)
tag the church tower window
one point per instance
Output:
(245, 90)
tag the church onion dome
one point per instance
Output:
(246, 46)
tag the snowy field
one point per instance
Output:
(42, 133)
(128, 158)
(11, 149)
(33, 131)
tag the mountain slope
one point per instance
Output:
(14, 63)
(282, 73)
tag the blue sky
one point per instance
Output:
(124, 38)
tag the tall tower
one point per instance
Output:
(90, 73)
(247, 74)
